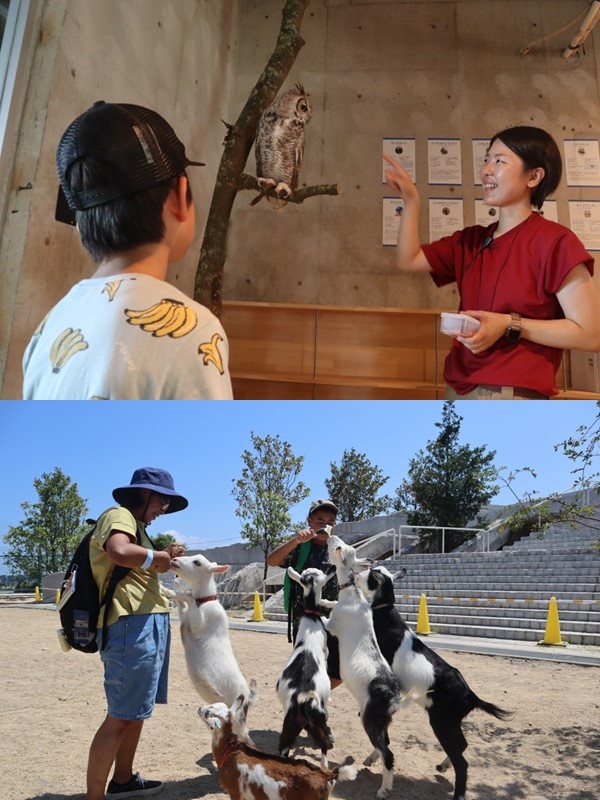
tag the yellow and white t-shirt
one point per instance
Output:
(127, 337)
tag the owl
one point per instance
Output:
(280, 144)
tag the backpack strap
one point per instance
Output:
(297, 562)
(117, 574)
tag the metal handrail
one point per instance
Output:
(442, 528)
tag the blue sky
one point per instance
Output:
(98, 445)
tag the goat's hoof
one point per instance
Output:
(443, 766)
(382, 792)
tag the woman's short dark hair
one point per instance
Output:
(124, 223)
(537, 149)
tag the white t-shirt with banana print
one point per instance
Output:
(128, 337)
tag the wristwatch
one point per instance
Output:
(513, 332)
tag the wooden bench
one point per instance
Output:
(309, 352)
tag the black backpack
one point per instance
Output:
(79, 603)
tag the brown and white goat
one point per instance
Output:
(363, 669)
(304, 686)
(211, 663)
(440, 687)
(249, 774)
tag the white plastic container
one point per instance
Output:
(461, 324)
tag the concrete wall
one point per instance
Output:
(375, 68)
(172, 55)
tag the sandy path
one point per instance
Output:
(52, 703)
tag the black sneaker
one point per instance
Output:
(136, 787)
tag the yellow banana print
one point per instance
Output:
(66, 344)
(111, 289)
(188, 325)
(211, 352)
(167, 318)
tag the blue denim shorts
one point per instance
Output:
(136, 665)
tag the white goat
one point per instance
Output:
(304, 685)
(211, 664)
(249, 774)
(362, 667)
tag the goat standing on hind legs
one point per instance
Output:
(204, 628)
(440, 688)
(363, 669)
(304, 686)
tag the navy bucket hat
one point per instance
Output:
(157, 480)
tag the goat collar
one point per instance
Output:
(312, 613)
(229, 751)
(347, 585)
(382, 605)
(200, 600)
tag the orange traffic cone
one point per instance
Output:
(423, 628)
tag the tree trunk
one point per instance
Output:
(238, 143)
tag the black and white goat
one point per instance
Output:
(211, 663)
(440, 687)
(304, 687)
(362, 667)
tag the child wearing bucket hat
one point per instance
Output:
(125, 333)
(136, 655)
(308, 548)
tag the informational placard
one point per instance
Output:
(480, 148)
(392, 213)
(404, 151)
(485, 215)
(585, 222)
(582, 162)
(445, 166)
(550, 210)
(445, 217)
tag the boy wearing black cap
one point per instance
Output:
(308, 548)
(136, 655)
(125, 333)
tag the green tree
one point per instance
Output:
(354, 487)
(447, 484)
(50, 530)
(268, 487)
(162, 540)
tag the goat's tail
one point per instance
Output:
(490, 708)
(314, 718)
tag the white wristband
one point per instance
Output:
(149, 559)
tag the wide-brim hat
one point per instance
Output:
(157, 480)
(316, 505)
(138, 144)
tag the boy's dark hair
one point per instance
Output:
(124, 223)
(537, 149)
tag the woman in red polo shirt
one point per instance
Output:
(526, 279)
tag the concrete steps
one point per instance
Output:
(505, 594)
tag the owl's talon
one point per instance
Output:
(282, 190)
(265, 183)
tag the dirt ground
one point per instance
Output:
(52, 703)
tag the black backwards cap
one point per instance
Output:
(139, 145)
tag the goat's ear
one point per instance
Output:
(330, 570)
(398, 575)
(295, 576)
(238, 705)
(219, 568)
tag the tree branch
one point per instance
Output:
(249, 183)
